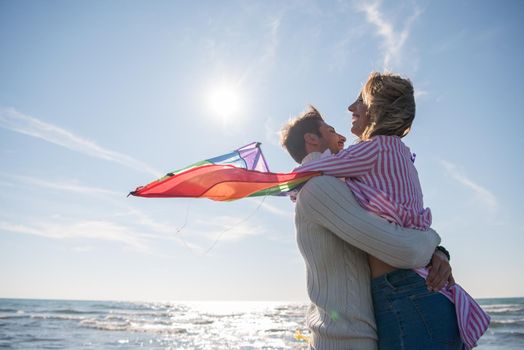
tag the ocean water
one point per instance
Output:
(62, 324)
(506, 330)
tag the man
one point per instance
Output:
(309, 134)
(334, 233)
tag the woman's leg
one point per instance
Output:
(409, 317)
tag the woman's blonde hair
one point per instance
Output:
(390, 102)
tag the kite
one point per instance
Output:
(238, 174)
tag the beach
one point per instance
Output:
(63, 324)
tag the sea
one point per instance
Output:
(65, 324)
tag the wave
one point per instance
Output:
(13, 316)
(8, 310)
(503, 308)
(105, 325)
(56, 317)
(510, 336)
(152, 307)
(72, 312)
(506, 323)
(123, 321)
(276, 330)
(131, 327)
(202, 322)
(40, 317)
(154, 314)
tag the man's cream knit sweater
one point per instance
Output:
(333, 234)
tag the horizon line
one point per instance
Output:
(200, 300)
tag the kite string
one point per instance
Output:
(236, 224)
(178, 230)
(185, 220)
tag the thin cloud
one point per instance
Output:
(228, 228)
(68, 186)
(148, 227)
(483, 194)
(451, 43)
(272, 131)
(271, 48)
(272, 209)
(419, 93)
(154, 229)
(202, 239)
(159, 229)
(393, 39)
(113, 197)
(90, 229)
(269, 51)
(13, 120)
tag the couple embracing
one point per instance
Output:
(376, 276)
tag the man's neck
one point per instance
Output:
(311, 157)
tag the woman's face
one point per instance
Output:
(360, 118)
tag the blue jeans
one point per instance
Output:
(409, 317)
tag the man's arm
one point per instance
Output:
(329, 202)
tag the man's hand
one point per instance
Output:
(439, 272)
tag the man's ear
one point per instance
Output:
(311, 139)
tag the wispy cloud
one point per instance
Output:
(68, 185)
(451, 43)
(419, 93)
(132, 226)
(483, 194)
(273, 209)
(83, 248)
(266, 57)
(90, 229)
(137, 222)
(272, 131)
(156, 228)
(153, 227)
(393, 39)
(13, 120)
(228, 228)
(206, 235)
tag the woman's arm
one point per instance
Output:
(328, 202)
(357, 160)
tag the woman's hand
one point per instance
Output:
(439, 272)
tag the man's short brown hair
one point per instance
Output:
(292, 133)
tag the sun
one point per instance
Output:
(224, 102)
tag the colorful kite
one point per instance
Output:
(241, 173)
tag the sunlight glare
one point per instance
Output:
(224, 102)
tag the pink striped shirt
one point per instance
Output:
(381, 174)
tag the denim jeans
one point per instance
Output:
(409, 317)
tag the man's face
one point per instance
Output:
(329, 138)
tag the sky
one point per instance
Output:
(99, 97)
